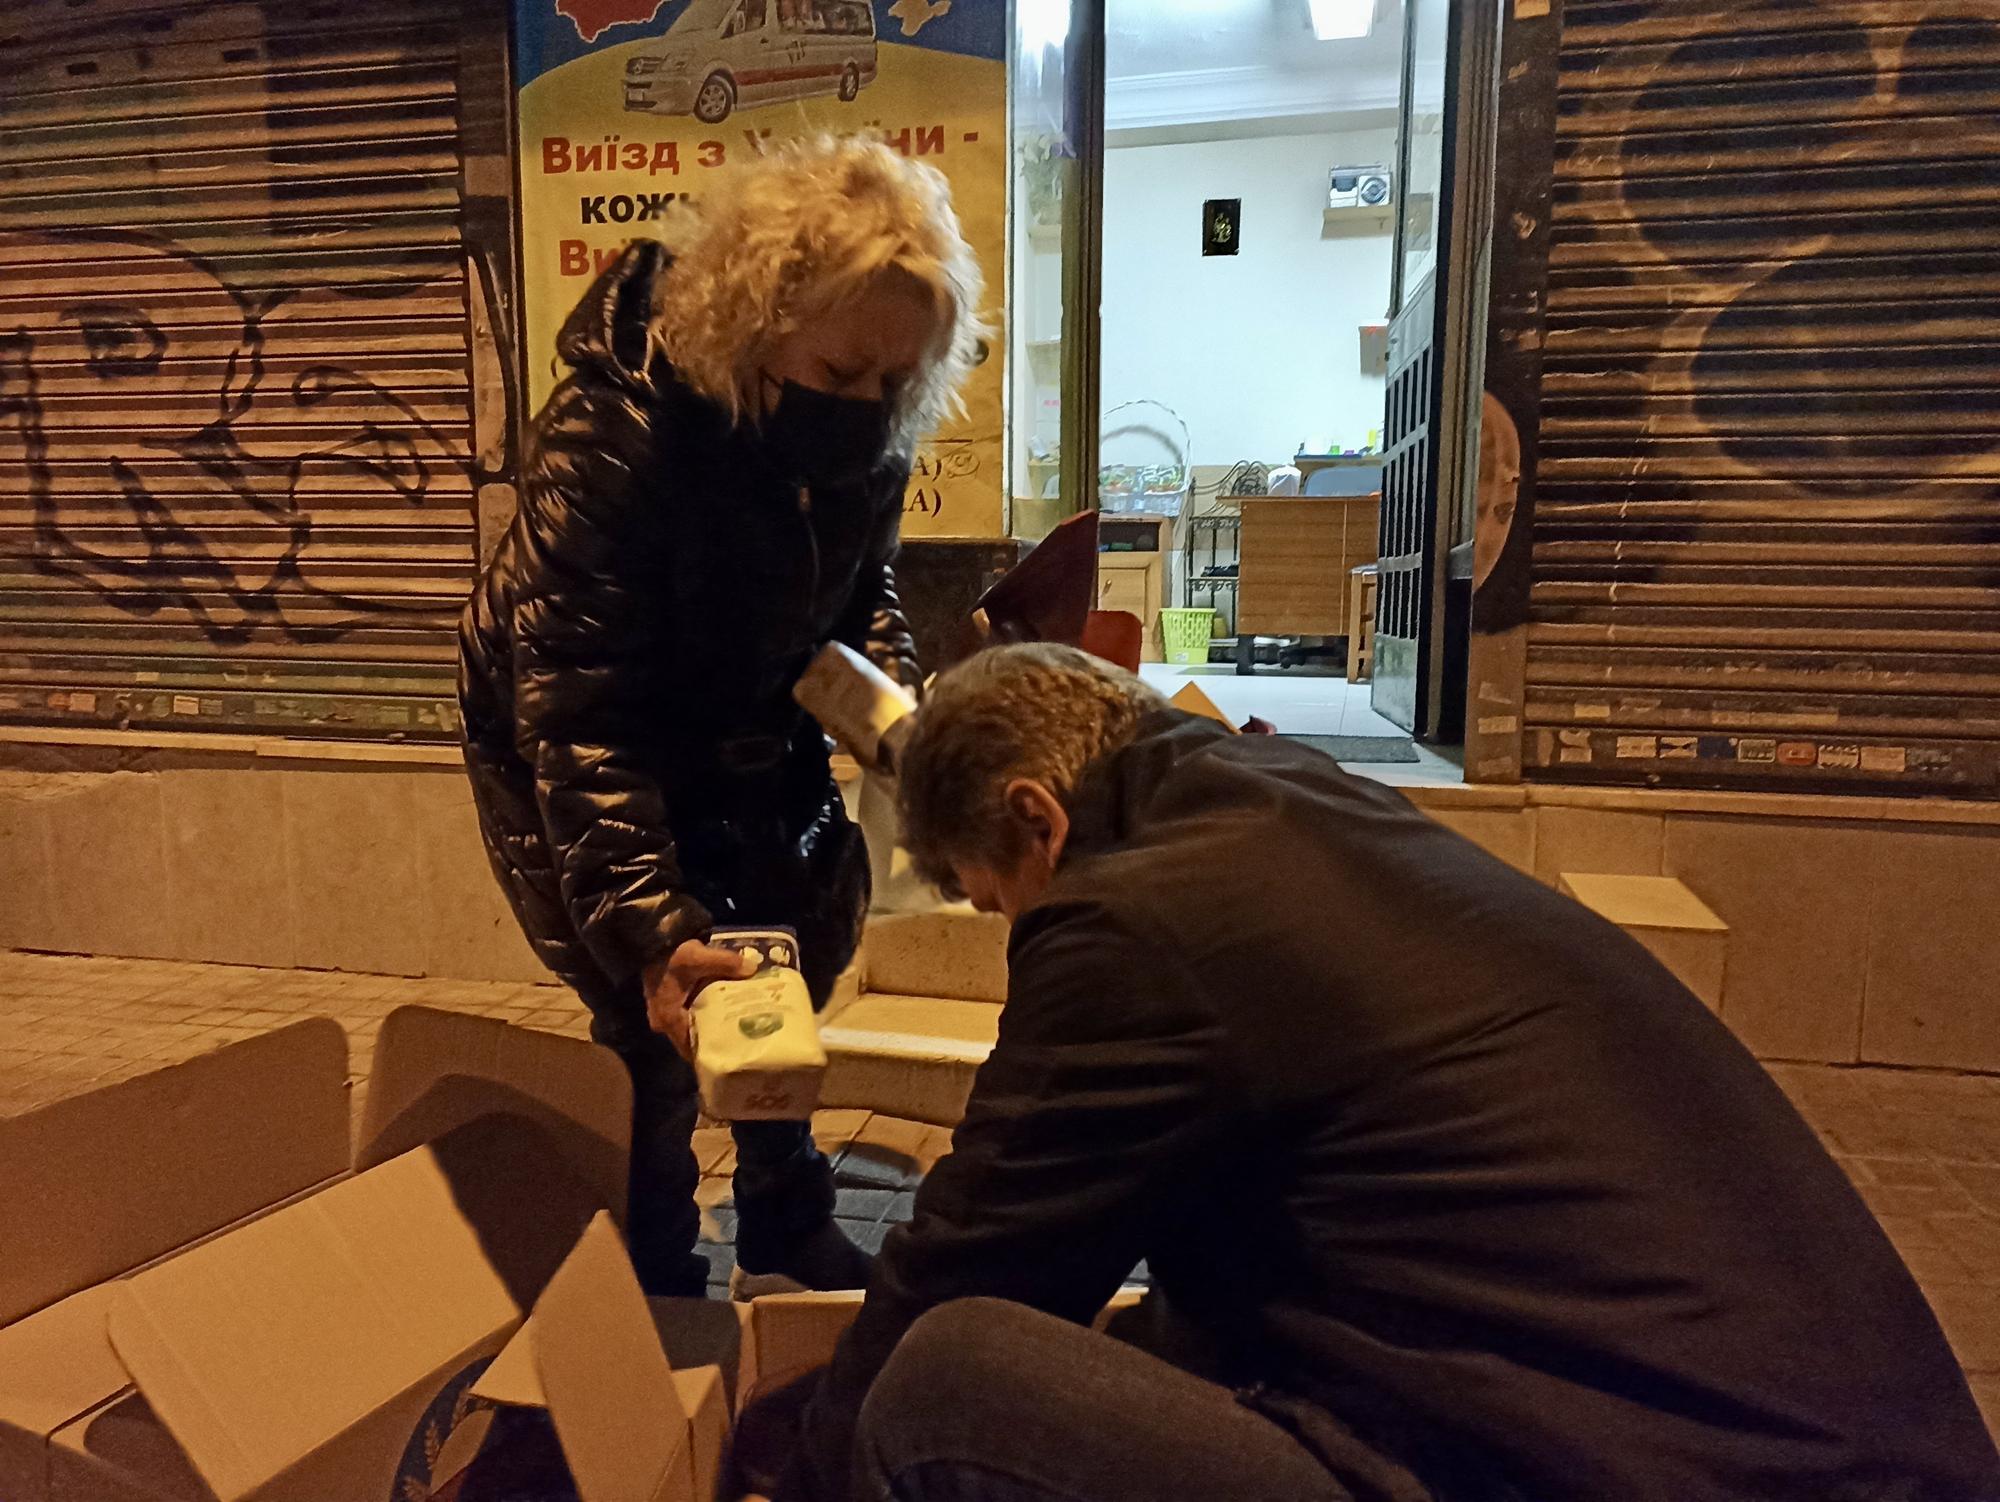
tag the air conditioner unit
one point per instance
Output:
(1371, 189)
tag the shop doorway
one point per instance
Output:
(1267, 201)
(1249, 191)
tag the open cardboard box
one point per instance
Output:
(210, 1307)
(786, 1336)
(436, 1070)
(104, 1183)
(207, 1304)
(323, 1351)
(633, 1428)
(637, 1423)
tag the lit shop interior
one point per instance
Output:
(1261, 206)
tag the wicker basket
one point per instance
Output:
(1185, 635)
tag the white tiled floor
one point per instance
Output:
(1299, 701)
(1307, 701)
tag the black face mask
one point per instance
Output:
(822, 439)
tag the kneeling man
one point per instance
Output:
(1453, 1192)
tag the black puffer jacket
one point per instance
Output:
(626, 666)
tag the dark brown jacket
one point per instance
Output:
(1451, 1173)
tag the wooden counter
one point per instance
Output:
(1298, 559)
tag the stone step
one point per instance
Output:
(908, 1056)
(1682, 932)
(955, 954)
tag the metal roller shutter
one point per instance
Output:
(235, 427)
(1767, 513)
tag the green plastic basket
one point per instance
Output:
(1185, 635)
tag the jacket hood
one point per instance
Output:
(607, 330)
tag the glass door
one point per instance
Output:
(1445, 157)
(1057, 131)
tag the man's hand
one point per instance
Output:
(672, 981)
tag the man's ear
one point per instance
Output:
(1041, 812)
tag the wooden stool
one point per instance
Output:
(1361, 625)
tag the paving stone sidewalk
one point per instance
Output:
(1922, 1147)
(70, 1024)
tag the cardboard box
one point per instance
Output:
(788, 1335)
(327, 1350)
(633, 1428)
(291, 1332)
(101, 1183)
(437, 1070)
(107, 1182)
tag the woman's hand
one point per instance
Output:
(672, 981)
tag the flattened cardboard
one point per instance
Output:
(1191, 700)
(436, 1070)
(302, 1357)
(101, 1183)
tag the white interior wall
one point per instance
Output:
(1258, 352)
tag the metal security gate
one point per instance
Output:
(1407, 601)
(1767, 513)
(236, 487)
(1435, 334)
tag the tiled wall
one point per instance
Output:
(1851, 940)
(342, 868)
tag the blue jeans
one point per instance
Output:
(784, 1184)
(986, 1401)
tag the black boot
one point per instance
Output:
(786, 1239)
(682, 1278)
(821, 1259)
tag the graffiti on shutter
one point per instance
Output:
(235, 431)
(1766, 545)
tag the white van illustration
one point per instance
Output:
(724, 53)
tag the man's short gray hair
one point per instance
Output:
(1039, 711)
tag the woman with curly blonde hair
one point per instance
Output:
(713, 493)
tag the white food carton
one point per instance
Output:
(757, 1053)
(859, 705)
